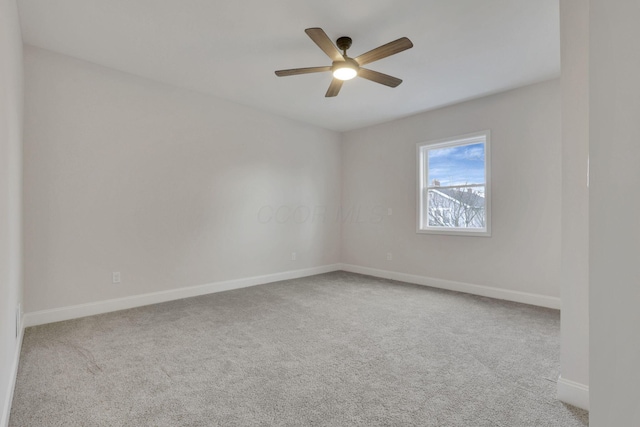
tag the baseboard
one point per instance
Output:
(6, 405)
(90, 309)
(486, 291)
(573, 393)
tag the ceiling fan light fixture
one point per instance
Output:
(345, 73)
(345, 70)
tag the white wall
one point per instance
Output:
(523, 253)
(574, 360)
(10, 195)
(614, 152)
(163, 185)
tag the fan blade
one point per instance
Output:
(334, 88)
(295, 71)
(323, 41)
(383, 51)
(377, 77)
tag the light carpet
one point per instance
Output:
(337, 349)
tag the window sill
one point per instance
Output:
(456, 232)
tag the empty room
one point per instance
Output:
(339, 213)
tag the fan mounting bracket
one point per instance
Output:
(344, 43)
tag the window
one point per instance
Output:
(453, 186)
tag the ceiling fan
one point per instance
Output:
(346, 68)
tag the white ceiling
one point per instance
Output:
(462, 49)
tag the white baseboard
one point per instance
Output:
(6, 405)
(486, 291)
(99, 307)
(573, 393)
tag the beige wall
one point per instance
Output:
(614, 204)
(574, 360)
(163, 185)
(10, 194)
(523, 253)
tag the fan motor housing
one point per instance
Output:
(348, 62)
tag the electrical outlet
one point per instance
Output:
(115, 277)
(389, 256)
(389, 211)
(294, 256)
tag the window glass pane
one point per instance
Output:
(459, 165)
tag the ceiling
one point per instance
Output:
(463, 49)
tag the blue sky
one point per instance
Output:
(459, 165)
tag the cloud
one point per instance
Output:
(441, 152)
(458, 165)
(473, 153)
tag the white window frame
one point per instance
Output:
(422, 150)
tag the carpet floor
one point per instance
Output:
(337, 349)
